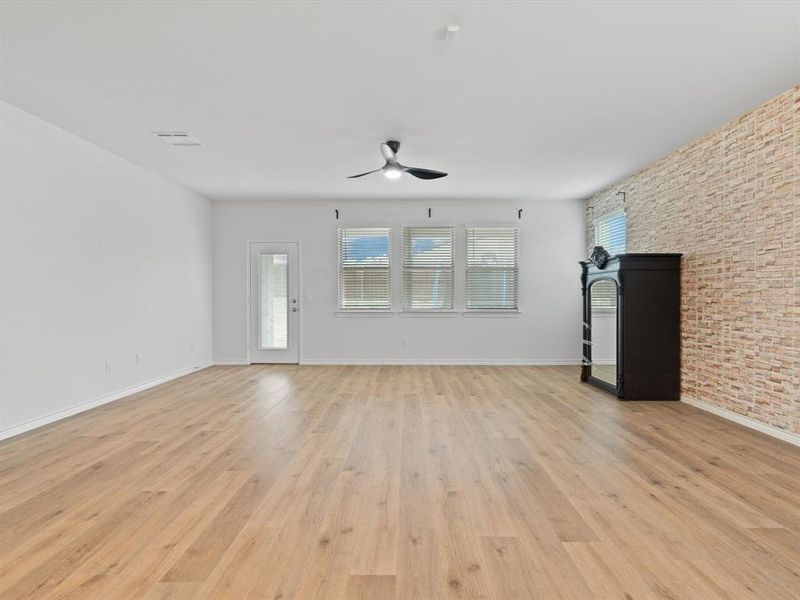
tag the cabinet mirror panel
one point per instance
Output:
(603, 300)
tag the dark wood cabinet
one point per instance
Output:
(631, 326)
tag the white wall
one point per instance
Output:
(548, 330)
(101, 260)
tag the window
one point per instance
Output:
(427, 268)
(274, 297)
(609, 232)
(492, 268)
(364, 268)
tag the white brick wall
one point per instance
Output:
(730, 202)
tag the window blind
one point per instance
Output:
(610, 233)
(492, 268)
(428, 268)
(365, 268)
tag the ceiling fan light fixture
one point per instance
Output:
(392, 172)
(392, 169)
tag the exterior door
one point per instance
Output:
(274, 303)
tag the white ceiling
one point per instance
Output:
(530, 100)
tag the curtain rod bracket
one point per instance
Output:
(519, 213)
(429, 213)
(336, 212)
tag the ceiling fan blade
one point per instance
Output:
(388, 149)
(425, 173)
(362, 174)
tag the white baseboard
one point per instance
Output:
(105, 399)
(781, 434)
(419, 361)
(442, 361)
(229, 361)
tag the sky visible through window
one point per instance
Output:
(367, 249)
(425, 280)
(370, 249)
(420, 245)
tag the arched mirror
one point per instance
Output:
(603, 303)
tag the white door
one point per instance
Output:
(274, 303)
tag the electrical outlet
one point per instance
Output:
(108, 366)
(404, 341)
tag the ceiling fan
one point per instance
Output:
(393, 169)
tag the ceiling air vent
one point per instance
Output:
(177, 138)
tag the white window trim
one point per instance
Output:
(606, 216)
(365, 311)
(360, 312)
(492, 314)
(459, 275)
(596, 222)
(485, 312)
(616, 213)
(428, 312)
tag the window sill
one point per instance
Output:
(491, 314)
(365, 313)
(429, 314)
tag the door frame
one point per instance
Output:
(249, 288)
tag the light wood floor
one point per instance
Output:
(278, 482)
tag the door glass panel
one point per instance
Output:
(274, 295)
(603, 298)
